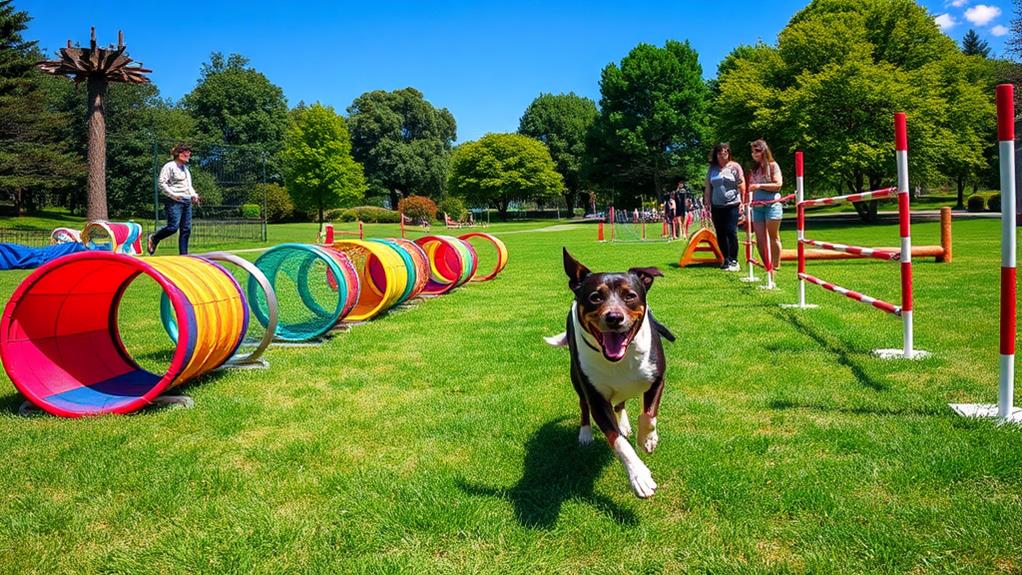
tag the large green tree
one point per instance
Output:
(499, 169)
(562, 122)
(830, 87)
(652, 123)
(34, 160)
(318, 168)
(235, 104)
(403, 142)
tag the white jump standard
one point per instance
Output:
(1004, 410)
(904, 311)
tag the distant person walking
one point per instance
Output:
(725, 186)
(765, 183)
(179, 197)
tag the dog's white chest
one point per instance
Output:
(621, 380)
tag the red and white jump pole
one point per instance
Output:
(1005, 410)
(904, 256)
(800, 226)
(749, 261)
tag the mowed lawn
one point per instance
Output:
(441, 438)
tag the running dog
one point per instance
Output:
(616, 354)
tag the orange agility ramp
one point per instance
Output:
(702, 241)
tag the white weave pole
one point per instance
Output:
(1004, 411)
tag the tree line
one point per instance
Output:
(828, 86)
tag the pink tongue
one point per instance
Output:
(614, 344)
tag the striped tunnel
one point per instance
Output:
(61, 347)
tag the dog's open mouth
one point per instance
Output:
(614, 344)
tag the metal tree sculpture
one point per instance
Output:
(97, 67)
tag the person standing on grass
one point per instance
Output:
(179, 197)
(765, 183)
(723, 191)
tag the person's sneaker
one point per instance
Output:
(150, 246)
(733, 267)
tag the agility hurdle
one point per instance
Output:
(904, 255)
(751, 262)
(327, 235)
(1005, 410)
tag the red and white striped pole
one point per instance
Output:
(904, 223)
(800, 231)
(1006, 138)
(748, 245)
(612, 224)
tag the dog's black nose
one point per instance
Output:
(614, 319)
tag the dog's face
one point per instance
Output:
(611, 306)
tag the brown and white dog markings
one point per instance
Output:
(616, 354)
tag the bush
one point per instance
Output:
(251, 211)
(974, 203)
(370, 215)
(453, 207)
(994, 203)
(278, 202)
(417, 208)
(333, 214)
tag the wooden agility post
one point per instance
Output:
(940, 254)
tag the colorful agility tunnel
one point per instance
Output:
(311, 300)
(383, 273)
(251, 348)
(452, 263)
(421, 262)
(123, 237)
(61, 347)
(501, 254)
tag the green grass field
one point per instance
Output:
(441, 438)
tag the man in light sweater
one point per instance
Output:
(179, 196)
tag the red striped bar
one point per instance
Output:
(1006, 112)
(768, 202)
(799, 165)
(756, 263)
(874, 253)
(1007, 311)
(864, 196)
(877, 303)
(900, 132)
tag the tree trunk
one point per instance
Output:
(321, 217)
(569, 199)
(97, 209)
(961, 193)
(393, 199)
(502, 209)
(19, 203)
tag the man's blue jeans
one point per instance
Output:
(179, 218)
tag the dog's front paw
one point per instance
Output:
(642, 481)
(648, 437)
(585, 435)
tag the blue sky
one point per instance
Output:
(485, 62)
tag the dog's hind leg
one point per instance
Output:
(622, 419)
(648, 437)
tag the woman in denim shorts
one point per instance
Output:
(765, 185)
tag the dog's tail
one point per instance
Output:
(559, 340)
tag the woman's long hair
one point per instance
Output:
(765, 159)
(716, 151)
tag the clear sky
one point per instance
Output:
(484, 61)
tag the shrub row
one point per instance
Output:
(976, 201)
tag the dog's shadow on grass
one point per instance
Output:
(840, 352)
(557, 469)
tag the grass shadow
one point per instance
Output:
(557, 469)
(782, 404)
(840, 351)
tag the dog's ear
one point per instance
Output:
(576, 271)
(646, 275)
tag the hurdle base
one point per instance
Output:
(799, 306)
(986, 410)
(182, 401)
(771, 287)
(29, 409)
(747, 279)
(311, 343)
(900, 354)
(258, 363)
